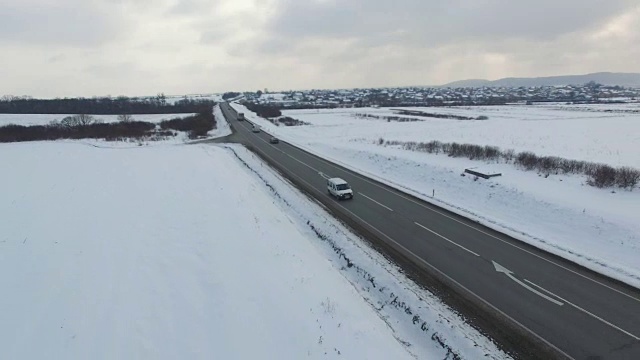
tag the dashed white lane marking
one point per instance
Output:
(386, 207)
(451, 241)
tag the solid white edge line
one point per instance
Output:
(451, 241)
(586, 312)
(487, 303)
(386, 207)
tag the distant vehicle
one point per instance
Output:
(274, 140)
(255, 129)
(339, 188)
(240, 116)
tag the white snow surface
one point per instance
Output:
(596, 228)
(578, 132)
(44, 119)
(222, 126)
(155, 253)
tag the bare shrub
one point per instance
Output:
(78, 120)
(265, 111)
(591, 168)
(455, 150)
(508, 155)
(410, 145)
(125, 118)
(569, 166)
(289, 121)
(579, 167)
(527, 160)
(197, 125)
(549, 164)
(602, 176)
(627, 178)
(492, 152)
(69, 122)
(84, 119)
(434, 147)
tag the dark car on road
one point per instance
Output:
(274, 140)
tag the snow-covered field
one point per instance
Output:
(552, 130)
(44, 119)
(597, 228)
(198, 252)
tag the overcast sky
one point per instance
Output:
(56, 48)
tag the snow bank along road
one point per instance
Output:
(528, 299)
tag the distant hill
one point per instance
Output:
(604, 78)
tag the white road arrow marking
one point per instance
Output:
(323, 175)
(509, 273)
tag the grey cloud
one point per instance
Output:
(215, 34)
(74, 23)
(192, 7)
(57, 58)
(84, 47)
(434, 22)
(112, 69)
(427, 41)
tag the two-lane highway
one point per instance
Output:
(560, 307)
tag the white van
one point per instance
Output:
(339, 188)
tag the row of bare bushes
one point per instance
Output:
(599, 175)
(88, 127)
(265, 111)
(289, 121)
(96, 130)
(388, 118)
(440, 116)
(196, 126)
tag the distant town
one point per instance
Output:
(590, 93)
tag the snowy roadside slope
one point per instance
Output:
(165, 252)
(222, 126)
(417, 317)
(589, 226)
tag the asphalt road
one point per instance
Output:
(560, 308)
